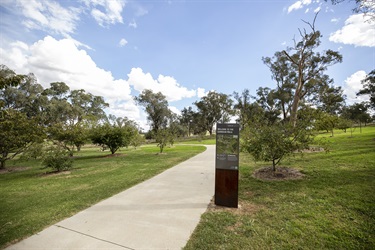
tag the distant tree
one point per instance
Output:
(358, 112)
(213, 108)
(369, 88)
(330, 99)
(8, 78)
(186, 119)
(242, 106)
(327, 122)
(156, 107)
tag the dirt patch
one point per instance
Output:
(244, 207)
(313, 150)
(13, 169)
(281, 174)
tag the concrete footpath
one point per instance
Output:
(160, 213)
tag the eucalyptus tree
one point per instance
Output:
(186, 119)
(369, 88)
(156, 107)
(71, 113)
(214, 107)
(308, 66)
(9, 78)
(242, 106)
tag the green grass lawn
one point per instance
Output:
(333, 207)
(31, 200)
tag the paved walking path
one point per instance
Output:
(160, 213)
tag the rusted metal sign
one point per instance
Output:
(227, 164)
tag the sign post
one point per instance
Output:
(227, 164)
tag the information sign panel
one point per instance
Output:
(227, 164)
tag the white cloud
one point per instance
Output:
(123, 42)
(106, 11)
(54, 60)
(353, 85)
(357, 31)
(175, 110)
(298, 5)
(133, 24)
(46, 15)
(335, 20)
(201, 92)
(164, 84)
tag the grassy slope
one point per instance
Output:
(31, 200)
(332, 208)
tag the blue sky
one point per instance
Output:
(117, 48)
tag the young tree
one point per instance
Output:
(273, 142)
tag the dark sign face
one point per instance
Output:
(227, 146)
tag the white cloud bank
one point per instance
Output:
(353, 85)
(358, 31)
(46, 15)
(62, 60)
(164, 84)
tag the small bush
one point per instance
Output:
(58, 159)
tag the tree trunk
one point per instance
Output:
(293, 113)
(273, 166)
(2, 164)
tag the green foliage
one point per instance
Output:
(213, 108)
(8, 77)
(57, 158)
(162, 138)
(273, 142)
(111, 136)
(156, 106)
(137, 140)
(17, 133)
(369, 88)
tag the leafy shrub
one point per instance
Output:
(57, 158)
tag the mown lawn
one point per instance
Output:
(31, 200)
(333, 207)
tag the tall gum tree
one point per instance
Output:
(309, 65)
